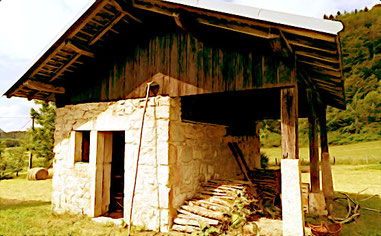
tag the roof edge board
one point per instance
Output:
(305, 22)
(53, 45)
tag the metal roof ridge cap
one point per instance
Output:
(306, 22)
(315, 24)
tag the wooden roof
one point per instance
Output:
(317, 54)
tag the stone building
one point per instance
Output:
(216, 69)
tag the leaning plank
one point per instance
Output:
(218, 200)
(184, 221)
(204, 212)
(185, 228)
(224, 187)
(205, 195)
(208, 205)
(214, 193)
(238, 159)
(230, 182)
(198, 217)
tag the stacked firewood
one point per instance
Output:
(211, 204)
(267, 183)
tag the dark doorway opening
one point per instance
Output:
(117, 175)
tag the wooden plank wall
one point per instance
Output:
(202, 67)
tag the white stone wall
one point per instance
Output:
(150, 208)
(175, 157)
(74, 183)
(199, 152)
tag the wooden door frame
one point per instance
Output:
(100, 157)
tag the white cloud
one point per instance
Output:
(27, 28)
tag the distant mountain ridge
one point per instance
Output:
(12, 134)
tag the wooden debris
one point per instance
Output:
(211, 204)
(267, 183)
(204, 212)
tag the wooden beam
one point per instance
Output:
(46, 60)
(79, 49)
(308, 82)
(285, 40)
(314, 144)
(120, 9)
(101, 5)
(323, 129)
(281, 47)
(176, 17)
(60, 71)
(115, 20)
(322, 68)
(39, 86)
(289, 122)
(327, 181)
(240, 29)
(304, 45)
(317, 57)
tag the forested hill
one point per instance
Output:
(361, 50)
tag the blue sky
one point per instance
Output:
(28, 27)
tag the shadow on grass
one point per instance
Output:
(368, 221)
(13, 204)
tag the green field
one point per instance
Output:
(351, 154)
(25, 205)
(25, 209)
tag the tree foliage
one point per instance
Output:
(361, 47)
(41, 138)
(361, 54)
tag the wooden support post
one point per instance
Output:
(292, 205)
(323, 130)
(314, 155)
(314, 144)
(327, 181)
(96, 164)
(257, 141)
(289, 122)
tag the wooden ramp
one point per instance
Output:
(210, 204)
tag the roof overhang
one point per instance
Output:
(313, 42)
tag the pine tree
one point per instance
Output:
(41, 139)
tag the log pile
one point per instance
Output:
(267, 183)
(211, 204)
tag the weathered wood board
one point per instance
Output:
(188, 66)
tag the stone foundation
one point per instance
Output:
(175, 158)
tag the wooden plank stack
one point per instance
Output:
(267, 183)
(211, 203)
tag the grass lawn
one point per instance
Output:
(25, 209)
(353, 179)
(25, 205)
(358, 153)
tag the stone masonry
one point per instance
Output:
(175, 157)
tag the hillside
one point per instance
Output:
(361, 48)
(11, 135)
